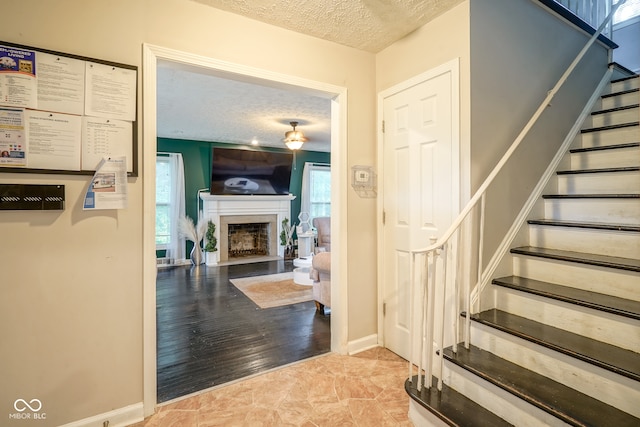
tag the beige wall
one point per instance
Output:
(71, 284)
(440, 41)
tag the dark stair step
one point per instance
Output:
(628, 264)
(615, 109)
(619, 93)
(589, 225)
(599, 170)
(622, 92)
(565, 403)
(621, 68)
(610, 357)
(594, 300)
(605, 147)
(453, 408)
(591, 196)
(610, 127)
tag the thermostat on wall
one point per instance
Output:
(363, 180)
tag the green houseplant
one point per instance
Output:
(211, 244)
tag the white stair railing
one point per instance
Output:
(593, 12)
(458, 285)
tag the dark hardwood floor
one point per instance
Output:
(209, 333)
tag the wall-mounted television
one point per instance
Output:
(244, 171)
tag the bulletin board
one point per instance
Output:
(62, 113)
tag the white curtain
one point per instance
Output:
(176, 248)
(305, 197)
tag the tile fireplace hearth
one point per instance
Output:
(255, 223)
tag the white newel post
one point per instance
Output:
(216, 206)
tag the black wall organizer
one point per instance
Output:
(31, 197)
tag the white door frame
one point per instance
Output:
(339, 177)
(453, 67)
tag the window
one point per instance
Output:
(163, 194)
(170, 205)
(316, 190)
(626, 12)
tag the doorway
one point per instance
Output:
(151, 55)
(421, 185)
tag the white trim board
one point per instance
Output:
(339, 175)
(117, 418)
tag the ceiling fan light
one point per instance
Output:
(294, 144)
(294, 138)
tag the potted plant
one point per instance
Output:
(211, 246)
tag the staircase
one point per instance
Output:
(561, 345)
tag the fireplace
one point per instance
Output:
(248, 236)
(247, 227)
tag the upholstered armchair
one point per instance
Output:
(320, 273)
(323, 227)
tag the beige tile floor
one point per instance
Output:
(366, 389)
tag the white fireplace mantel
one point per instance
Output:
(216, 206)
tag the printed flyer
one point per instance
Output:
(108, 188)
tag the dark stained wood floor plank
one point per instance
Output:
(210, 333)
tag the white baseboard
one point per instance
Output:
(362, 344)
(422, 417)
(117, 418)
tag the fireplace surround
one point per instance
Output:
(238, 211)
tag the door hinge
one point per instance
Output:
(384, 217)
(383, 126)
(384, 308)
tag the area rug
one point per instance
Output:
(273, 290)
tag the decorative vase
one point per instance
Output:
(288, 252)
(196, 255)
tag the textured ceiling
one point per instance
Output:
(203, 107)
(369, 25)
(196, 105)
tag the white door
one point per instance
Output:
(421, 187)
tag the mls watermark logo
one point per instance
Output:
(30, 410)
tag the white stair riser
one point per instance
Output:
(612, 210)
(604, 242)
(610, 137)
(601, 384)
(616, 117)
(505, 405)
(600, 183)
(620, 100)
(622, 157)
(603, 280)
(625, 85)
(570, 317)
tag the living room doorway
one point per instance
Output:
(339, 175)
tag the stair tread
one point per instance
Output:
(629, 264)
(610, 127)
(452, 407)
(591, 225)
(599, 170)
(605, 147)
(622, 79)
(611, 304)
(591, 196)
(563, 402)
(622, 92)
(615, 109)
(607, 356)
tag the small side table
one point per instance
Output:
(301, 273)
